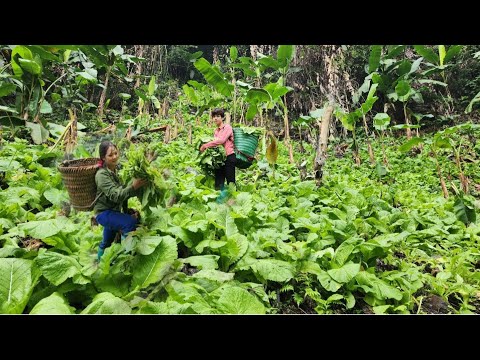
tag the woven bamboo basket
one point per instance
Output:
(79, 179)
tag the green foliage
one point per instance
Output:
(235, 300)
(475, 99)
(271, 269)
(18, 278)
(214, 76)
(57, 267)
(47, 228)
(106, 303)
(55, 196)
(465, 209)
(168, 307)
(374, 60)
(158, 190)
(203, 261)
(148, 269)
(54, 304)
(410, 144)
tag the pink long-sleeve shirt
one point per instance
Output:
(223, 136)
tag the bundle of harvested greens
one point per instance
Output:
(211, 159)
(158, 191)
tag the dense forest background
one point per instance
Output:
(88, 77)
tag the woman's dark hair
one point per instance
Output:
(102, 150)
(218, 111)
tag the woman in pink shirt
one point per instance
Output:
(223, 136)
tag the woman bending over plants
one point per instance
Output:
(113, 198)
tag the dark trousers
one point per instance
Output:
(227, 171)
(112, 222)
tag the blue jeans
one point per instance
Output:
(112, 222)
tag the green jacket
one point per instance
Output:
(114, 195)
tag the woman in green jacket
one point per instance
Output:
(113, 197)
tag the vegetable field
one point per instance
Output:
(379, 215)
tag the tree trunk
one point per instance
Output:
(463, 178)
(409, 131)
(370, 152)
(440, 176)
(128, 133)
(290, 153)
(355, 149)
(234, 96)
(285, 122)
(385, 159)
(101, 103)
(174, 132)
(322, 142)
(71, 136)
(369, 144)
(166, 139)
(253, 51)
(138, 53)
(165, 108)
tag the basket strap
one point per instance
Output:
(249, 158)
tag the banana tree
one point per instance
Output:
(373, 65)
(445, 140)
(7, 88)
(124, 97)
(27, 82)
(201, 96)
(349, 120)
(255, 71)
(285, 55)
(231, 60)
(437, 63)
(217, 79)
(277, 93)
(395, 77)
(214, 76)
(303, 121)
(476, 98)
(437, 143)
(404, 92)
(456, 146)
(256, 98)
(112, 59)
(278, 90)
(252, 73)
(28, 74)
(77, 73)
(418, 117)
(147, 94)
(380, 123)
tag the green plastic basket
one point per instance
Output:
(245, 147)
